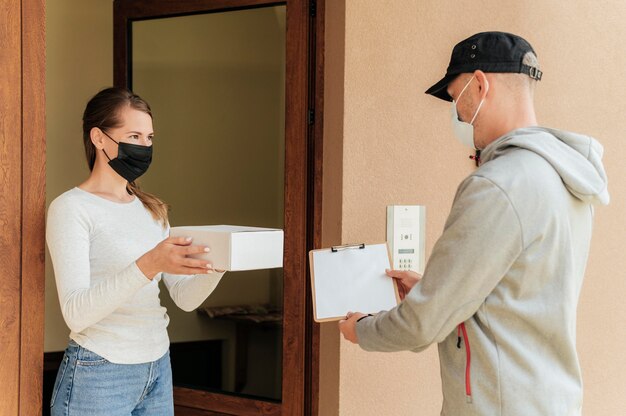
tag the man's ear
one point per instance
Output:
(97, 138)
(483, 83)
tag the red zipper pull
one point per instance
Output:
(476, 157)
(468, 356)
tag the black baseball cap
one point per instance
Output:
(489, 52)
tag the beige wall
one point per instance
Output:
(332, 187)
(398, 149)
(79, 56)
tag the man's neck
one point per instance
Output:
(516, 119)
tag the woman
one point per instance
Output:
(109, 246)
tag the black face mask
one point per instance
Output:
(132, 160)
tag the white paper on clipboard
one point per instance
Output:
(351, 279)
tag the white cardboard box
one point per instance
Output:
(236, 248)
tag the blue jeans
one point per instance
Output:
(88, 384)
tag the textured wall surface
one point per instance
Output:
(398, 148)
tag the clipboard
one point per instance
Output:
(351, 278)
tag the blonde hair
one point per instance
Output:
(155, 205)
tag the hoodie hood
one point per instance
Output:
(575, 157)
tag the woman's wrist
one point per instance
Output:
(146, 266)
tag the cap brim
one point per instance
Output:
(440, 89)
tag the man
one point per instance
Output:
(500, 289)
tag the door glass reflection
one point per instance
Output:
(216, 85)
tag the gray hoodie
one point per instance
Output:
(500, 289)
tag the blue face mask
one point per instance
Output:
(463, 131)
(132, 160)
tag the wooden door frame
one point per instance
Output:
(303, 192)
(22, 205)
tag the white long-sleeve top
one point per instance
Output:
(110, 306)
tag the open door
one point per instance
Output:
(237, 97)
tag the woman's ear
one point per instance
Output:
(97, 138)
(483, 83)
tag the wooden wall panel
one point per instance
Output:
(33, 206)
(296, 178)
(22, 205)
(315, 194)
(10, 203)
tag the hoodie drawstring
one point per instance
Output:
(468, 358)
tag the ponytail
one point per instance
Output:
(156, 206)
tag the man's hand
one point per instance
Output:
(348, 326)
(406, 279)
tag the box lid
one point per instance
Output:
(228, 228)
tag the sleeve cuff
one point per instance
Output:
(135, 272)
(364, 331)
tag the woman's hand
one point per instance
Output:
(171, 256)
(406, 279)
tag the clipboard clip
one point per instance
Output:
(335, 249)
